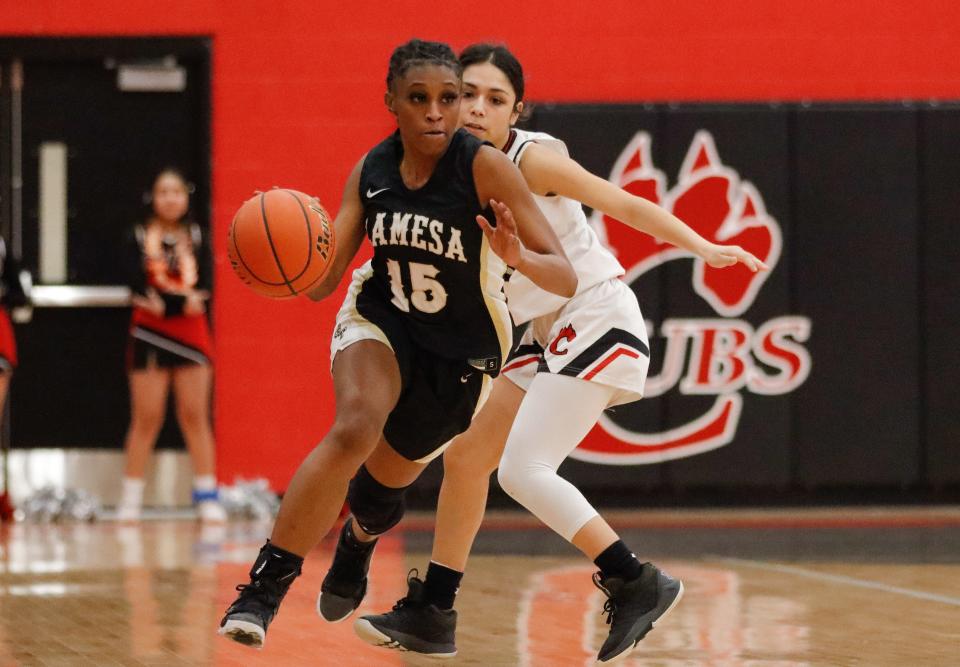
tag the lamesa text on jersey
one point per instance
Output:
(417, 231)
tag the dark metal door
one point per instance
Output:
(86, 124)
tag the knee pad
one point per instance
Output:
(376, 508)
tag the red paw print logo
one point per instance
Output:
(713, 200)
(723, 356)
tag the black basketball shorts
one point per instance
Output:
(438, 396)
(149, 349)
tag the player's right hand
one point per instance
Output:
(721, 256)
(503, 239)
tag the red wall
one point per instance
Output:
(297, 90)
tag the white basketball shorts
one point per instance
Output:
(598, 336)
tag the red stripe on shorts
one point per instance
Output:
(519, 364)
(609, 359)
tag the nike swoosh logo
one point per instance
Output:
(373, 193)
(260, 569)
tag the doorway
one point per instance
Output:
(85, 123)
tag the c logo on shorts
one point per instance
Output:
(567, 333)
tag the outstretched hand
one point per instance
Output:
(503, 238)
(720, 256)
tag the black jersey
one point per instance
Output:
(431, 260)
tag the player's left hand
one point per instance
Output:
(720, 256)
(503, 238)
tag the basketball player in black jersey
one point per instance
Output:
(423, 329)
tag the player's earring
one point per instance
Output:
(147, 198)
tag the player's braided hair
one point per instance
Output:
(420, 52)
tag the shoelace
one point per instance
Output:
(252, 589)
(610, 609)
(610, 606)
(414, 573)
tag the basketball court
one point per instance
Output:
(778, 588)
(794, 461)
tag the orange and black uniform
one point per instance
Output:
(171, 265)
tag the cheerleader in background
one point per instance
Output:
(169, 344)
(15, 301)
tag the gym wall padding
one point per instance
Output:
(297, 93)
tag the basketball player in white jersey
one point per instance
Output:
(579, 356)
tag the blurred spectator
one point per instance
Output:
(15, 300)
(169, 343)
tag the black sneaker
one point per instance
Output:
(345, 585)
(634, 607)
(413, 625)
(247, 618)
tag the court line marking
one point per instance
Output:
(774, 522)
(843, 579)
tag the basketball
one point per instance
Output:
(281, 243)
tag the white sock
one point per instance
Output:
(204, 483)
(132, 492)
(205, 489)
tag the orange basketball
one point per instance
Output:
(281, 243)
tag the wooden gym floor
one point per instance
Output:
(763, 588)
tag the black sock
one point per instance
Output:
(617, 561)
(276, 563)
(351, 541)
(441, 585)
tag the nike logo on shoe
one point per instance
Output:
(373, 193)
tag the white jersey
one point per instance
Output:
(593, 263)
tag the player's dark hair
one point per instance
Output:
(419, 52)
(171, 171)
(500, 57)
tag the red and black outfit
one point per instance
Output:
(12, 295)
(170, 264)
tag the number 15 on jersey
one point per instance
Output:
(426, 292)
